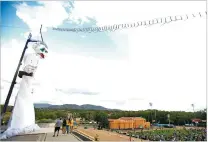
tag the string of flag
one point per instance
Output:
(111, 28)
(115, 27)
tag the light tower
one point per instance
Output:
(193, 109)
(150, 104)
(192, 106)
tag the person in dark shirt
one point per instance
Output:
(64, 126)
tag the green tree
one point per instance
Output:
(102, 119)
(6, 117)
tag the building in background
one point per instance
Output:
(128, 123)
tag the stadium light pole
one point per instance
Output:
(155, 116)
(155, 113)
(193, 109)
(169, 119)
(150, 104)
(192, 106)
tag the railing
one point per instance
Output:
(82, 136)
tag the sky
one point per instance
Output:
(126, 69)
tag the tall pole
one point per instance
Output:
(16, 73)
(15, 77)
(41, 33)
(192, 106)
(169, 119)
(150, 110)
(193, 109)
(155, 116)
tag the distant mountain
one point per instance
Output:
(71, 106)
(41, 105)
(93, 107)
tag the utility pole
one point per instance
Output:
(155, 116)
(193, 109)
(169, 119)
(150, 104)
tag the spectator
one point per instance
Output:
(57, 127)
(67, 126)
(71, 125)
(64, 126)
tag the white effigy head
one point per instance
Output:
(41, 49)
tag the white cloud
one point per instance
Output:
(116, 12)
(68, 71)
(158, 53)
(49, 14)
(83, 36)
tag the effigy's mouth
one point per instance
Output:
(42, 55)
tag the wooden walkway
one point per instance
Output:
(61, 137)
(44, 134)
(43, 137)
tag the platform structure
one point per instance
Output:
(44, 134)
(27, 137)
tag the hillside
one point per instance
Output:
(71, 106)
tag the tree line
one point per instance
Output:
(102, 116)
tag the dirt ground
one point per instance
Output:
(106, 135)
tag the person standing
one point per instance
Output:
(71, 125)
(67, 125)
(64, 126)
(57, 127)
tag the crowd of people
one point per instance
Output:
(66, 125)
(174, 135)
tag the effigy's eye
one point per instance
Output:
(42, 49)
